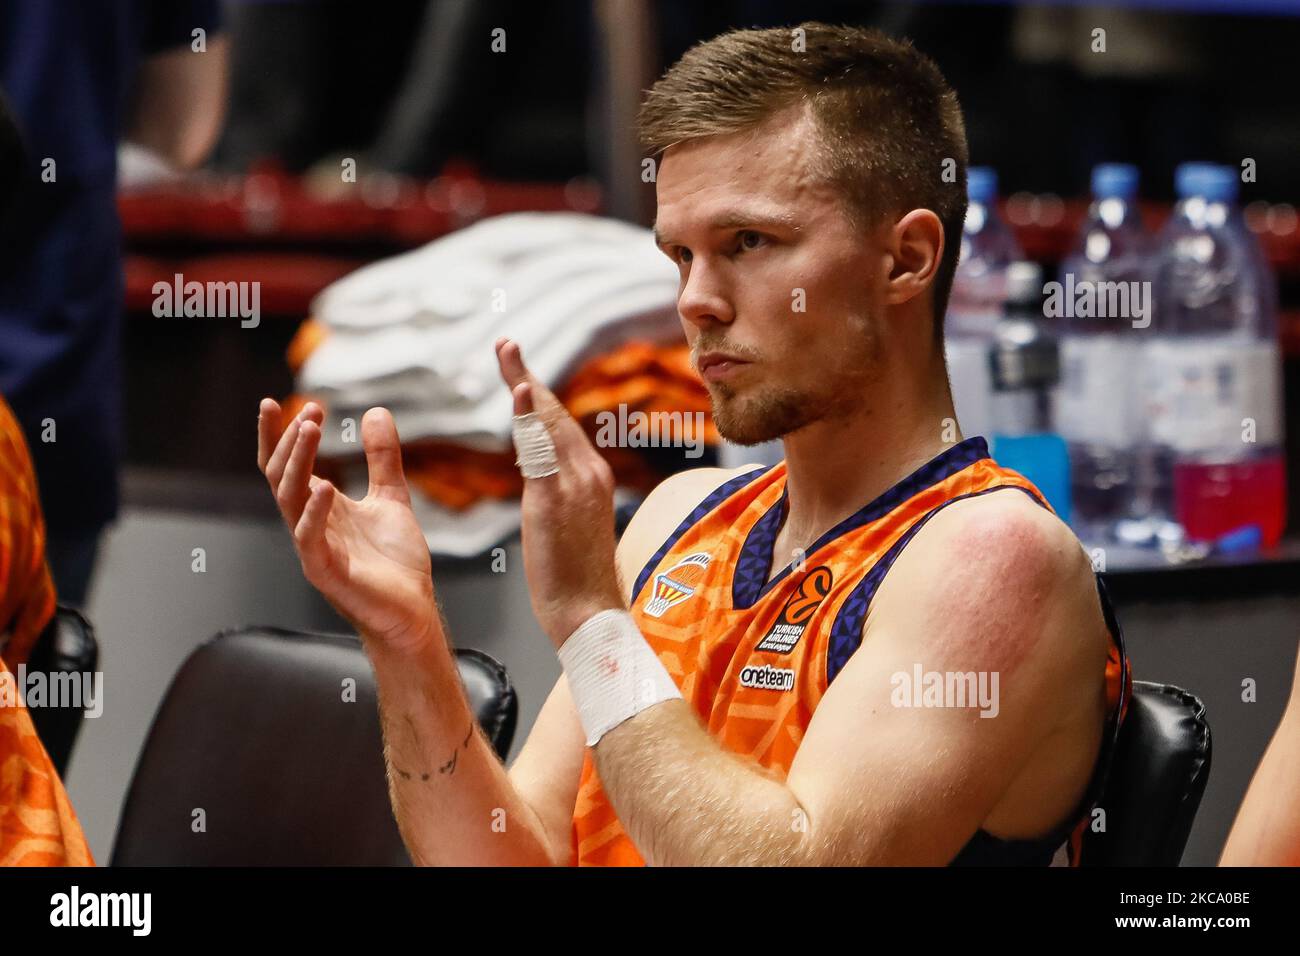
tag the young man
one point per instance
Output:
(773, 696)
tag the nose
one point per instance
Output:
(703, 300)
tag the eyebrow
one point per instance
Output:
(736, 218)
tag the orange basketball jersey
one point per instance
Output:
(753, 657)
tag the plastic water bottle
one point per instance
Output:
(1024, 368)
(1103, 308)
(976, 302)
(1213, 383)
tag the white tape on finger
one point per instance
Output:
(534, 446)
(613, 674)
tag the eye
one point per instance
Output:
(682, 254)
(750, 240)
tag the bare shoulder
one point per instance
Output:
(996, 583)
(1010, 573)
(989, 535)
(662, 511)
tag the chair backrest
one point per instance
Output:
(66, 646)
(263, 753)
(1157, 778)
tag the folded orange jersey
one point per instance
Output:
(642, 376)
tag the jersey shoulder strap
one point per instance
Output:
(710, 503)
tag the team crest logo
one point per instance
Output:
(798, 611)
(675, 585)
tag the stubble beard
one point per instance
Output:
(763, 413)
(768, 414)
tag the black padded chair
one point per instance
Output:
(66, 646)
(1157, 778)
(256, 740)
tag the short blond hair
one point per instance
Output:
(892, 126)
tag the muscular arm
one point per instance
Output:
(456, 816)
(454, 802)
(452, 798)
(998, 588)
(471, 810)
(547, 771)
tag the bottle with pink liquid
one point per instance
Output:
(1213, 375)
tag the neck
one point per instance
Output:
(834, 467)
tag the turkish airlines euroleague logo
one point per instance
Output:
(798, 611)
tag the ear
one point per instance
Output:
(916, 246)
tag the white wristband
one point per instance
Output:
(613, 674)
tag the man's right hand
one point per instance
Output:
(369, 557)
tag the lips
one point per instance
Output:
(714, 366)
(710, 359)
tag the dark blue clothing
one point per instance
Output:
(67, 69)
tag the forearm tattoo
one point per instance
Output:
(449, 767)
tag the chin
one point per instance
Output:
(752, 420)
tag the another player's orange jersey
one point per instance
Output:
(38, 826)
(753, 657)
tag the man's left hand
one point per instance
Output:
(568, 517)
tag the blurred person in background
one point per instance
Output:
(437, 85)
(77, 76)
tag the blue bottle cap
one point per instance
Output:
(981, 184)
(1207, 180)
(1114, 180)
(1221, 184)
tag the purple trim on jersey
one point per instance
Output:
(750, 578)
(715, 498)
